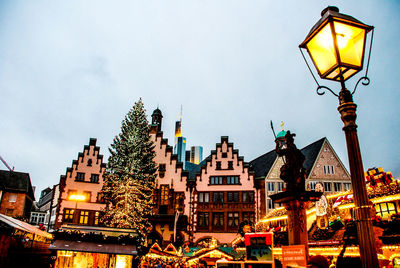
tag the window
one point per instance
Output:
(218, 219)
(218, 197)
(215, 180)
(204, 197)
(270, 204)
(41, 218)
(80, 176)
(329, 170)
(224, 155)
(179, 199)
(385, 210)
(347, 186)
(12, 198)
(34, 218)
(203, 219)
(219, 180)
(84, 217)
(230, 164)
(327, 186)
(99, 198)
(164, 195)
(248, 216)
(271, 186)
(337, 186)
(248, 197)
(96, 218)
(9, 211)
(233, 197)
(94, 178)
(161, 167)
(312, 185)
(161, 170)
(89, 162)
(88, 196)
(233, 219)
(71, 192)
(280, 186)
(69, 215)
(232, 180)
(218, 165)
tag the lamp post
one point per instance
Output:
(336, 45)
(77, 198)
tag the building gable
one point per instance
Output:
(275, 171)
(328, 165)
(224, 161)
(84, 177)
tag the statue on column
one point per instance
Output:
(292, 172)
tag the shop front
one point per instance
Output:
(95, 247)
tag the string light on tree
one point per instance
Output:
(130, 175)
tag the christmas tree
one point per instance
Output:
(131, 171)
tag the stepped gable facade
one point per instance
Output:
(225, 195)
(171, 195)
(83, 178)
(322, 165)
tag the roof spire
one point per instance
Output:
(282, 124)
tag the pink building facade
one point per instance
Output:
(85, 179)
(225, 195)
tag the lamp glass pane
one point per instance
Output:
(334, 75)
(321, 49)
(349, 73)
(350, 41)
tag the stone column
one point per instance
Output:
(297, 223)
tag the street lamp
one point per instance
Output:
(77, 198)
(336, 45)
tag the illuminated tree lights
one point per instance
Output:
(130, 175)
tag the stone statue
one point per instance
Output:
(292, 172)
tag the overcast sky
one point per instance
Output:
(71, 70)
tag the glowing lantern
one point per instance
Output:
(336, 45)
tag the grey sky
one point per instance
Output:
(71, 70)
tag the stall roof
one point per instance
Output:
(93, 247)
(109, 231)
(24, 226)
